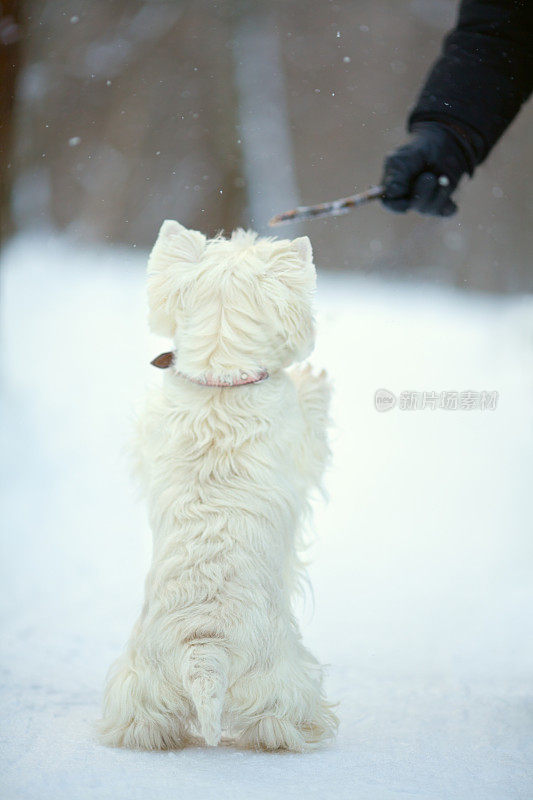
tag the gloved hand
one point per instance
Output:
(423, 174)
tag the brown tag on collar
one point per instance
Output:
(163, 361)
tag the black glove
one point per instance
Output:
(423, 173)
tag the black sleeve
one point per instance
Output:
(484, 74)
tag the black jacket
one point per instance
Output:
(484, 74)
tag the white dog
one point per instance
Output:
(229, 448)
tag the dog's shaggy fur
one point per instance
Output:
(226, 472)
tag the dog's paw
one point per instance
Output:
(314, 392)
(272, 733)
(322, 727)
(300, 372)
(319, 384)
(141, 734)
(309, 382)
(280, 733)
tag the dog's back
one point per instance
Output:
(226, 498)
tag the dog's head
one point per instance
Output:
(242, 303)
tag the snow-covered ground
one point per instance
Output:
(422, 569)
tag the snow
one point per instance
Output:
(422, 567)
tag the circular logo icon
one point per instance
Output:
(384, 400)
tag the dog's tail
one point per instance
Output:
(206, 680)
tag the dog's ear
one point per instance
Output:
(292, 265)
(304, 251)
(175, 246)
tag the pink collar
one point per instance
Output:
(165, 360)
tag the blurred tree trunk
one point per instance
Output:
(9, 64)
(263, 117)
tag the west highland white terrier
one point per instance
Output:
(229, 446)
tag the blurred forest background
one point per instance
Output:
(221, 114)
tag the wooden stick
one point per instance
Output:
(331, 209)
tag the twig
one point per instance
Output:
(331, 209)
